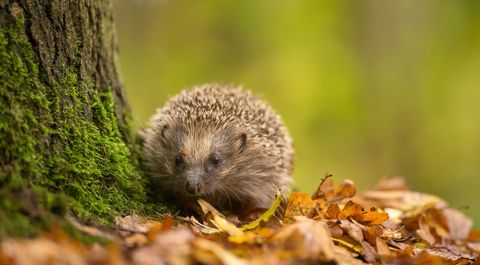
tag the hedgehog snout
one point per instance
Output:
(194, 181)
(193, 188)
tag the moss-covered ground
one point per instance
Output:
(61, 150)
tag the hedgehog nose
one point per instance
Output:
(192, 188)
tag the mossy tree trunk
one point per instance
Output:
(66, 144)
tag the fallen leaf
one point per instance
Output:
(409, 202)
(328, 193)
(135, 223)
(424, 231)
(343, 191)
(224, 226)
(368, 252)
(325, 187)
(372, 216)
(458, 224)
(382, 248)
(156, 229)
(353, 230)
(208, 209)
(90, 230)
(345, 257)
(333, 212)
(348, 243)
(205, 229)
(172, 247)
(353, 210)
(299, 204)
(307, 239)
(211, 253)
(266, 215)
(135, 240)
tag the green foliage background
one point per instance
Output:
(367, 88)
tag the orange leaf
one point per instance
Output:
(352, 209)
(299, 204)
(345, 190)
(332, 212)
(372, 216)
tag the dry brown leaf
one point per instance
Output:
(57, 248)
(325, 187)
(200, 228)
(442, 253)
(424, 231)
(372, 216)
(343, 191)
(475, 246)
(299, 204)
(328, 193)
(307, 239)
(156, 229)
(458, 224)
(333, 212)
(368, 252)
(41, 251)
(396, 234)
(171, 247)
(211, 253)
(372, 232)
(135, 240)
(136, 223)
(335, 229)
(352, 209)
(208, 210)
(345, 257)
(353, 230)
(409, 202)
(91, 230)
(382, 248)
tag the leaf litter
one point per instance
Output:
(388, 224)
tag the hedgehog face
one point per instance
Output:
(196, 174)
(204, 156)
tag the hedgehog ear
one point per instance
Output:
(242, 142)
(162, 131)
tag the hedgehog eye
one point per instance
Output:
(178, 160)
(215, 159)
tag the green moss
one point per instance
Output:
(61, 142)
(14, 220)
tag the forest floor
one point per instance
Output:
(388, 224)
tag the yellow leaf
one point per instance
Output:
(226, 226)
(266, 215)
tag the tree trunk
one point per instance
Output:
(66, 144)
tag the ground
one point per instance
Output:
(387, 224)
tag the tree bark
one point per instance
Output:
(66, 144)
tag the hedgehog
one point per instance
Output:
(219, 143)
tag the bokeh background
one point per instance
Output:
(368, 89)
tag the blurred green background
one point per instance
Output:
(368, 89)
